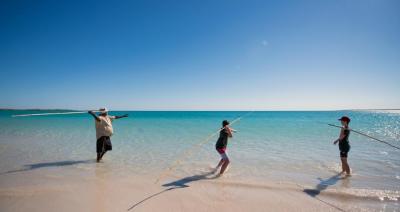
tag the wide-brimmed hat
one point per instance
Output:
(103, 110)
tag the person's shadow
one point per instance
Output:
(181, 183)
(322, 185)
(30, 167)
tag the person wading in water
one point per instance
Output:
(344, 145)
(220, 146)
(104, 131)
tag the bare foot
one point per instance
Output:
(219, 175)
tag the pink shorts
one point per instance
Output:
(223, 154)
(221, 151)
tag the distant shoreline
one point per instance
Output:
(142, 110)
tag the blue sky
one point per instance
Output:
(200, 55)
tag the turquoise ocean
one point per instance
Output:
(268, 146)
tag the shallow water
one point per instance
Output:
(279, 146)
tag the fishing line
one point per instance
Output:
(49, 114)
(361, 133)
(189, 151)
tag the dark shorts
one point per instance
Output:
(343, 154)
(103, 144)
(344, 150)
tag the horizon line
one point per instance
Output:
(194, 110)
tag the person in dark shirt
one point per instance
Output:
(344, 145)
(220, 146)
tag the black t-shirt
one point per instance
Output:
(344, 144)
(222, 140)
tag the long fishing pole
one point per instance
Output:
(361, 133)
(49, 114)
(189, 151)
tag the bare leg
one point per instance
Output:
(220, 163)
(347, 168)
(345, 165)
(101, 156)
(224, 166)
(343, 168)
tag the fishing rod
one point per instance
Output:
(49, 114)
(363, 134)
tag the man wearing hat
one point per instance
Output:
(104, 131)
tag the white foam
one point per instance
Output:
(382, 195)
(383, 153)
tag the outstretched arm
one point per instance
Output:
(123, 116)
(94, 115)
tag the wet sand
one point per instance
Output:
(98, 189)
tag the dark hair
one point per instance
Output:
(224, 123)
(345, 119)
